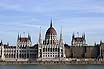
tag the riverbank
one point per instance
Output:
(60, 66)
(52, 62)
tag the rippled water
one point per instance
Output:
(51, 66)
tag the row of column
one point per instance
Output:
(20, 54)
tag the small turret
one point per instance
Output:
(83, 36)
(61, 36)
(7, 44)
(29, 37)
(73, 36)
(95, 44)
(1, 42)
(18, 36)
(101, 42)
(40, 37)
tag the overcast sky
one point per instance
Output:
(83, 16)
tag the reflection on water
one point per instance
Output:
(51, 66)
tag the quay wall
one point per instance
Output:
(51, 62)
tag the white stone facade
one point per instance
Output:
(78, 41)
(51, 49)
(24, 51)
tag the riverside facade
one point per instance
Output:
(51, 49)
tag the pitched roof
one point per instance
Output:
(24, 39)
(78, 39)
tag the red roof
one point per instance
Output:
(78, 39)
(51, 31)
(24, 39)
(5, 46)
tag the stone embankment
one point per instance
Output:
(52, 62)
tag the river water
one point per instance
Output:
(51, 66)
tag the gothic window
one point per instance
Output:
(58, 50)
(51, 49)
(43, 49)
(61, 55)
(53, 55)
(61, 50)
(40, 54)
(58, 55)
(48, 49)
(27, 55)
(40, 50)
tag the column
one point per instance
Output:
(2, 57)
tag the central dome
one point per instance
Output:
(51, 30)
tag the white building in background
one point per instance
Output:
(24, 51)
(51, 49)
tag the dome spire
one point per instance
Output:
(51, 23)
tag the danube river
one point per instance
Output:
(51, 66)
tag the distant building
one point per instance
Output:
(51, 49)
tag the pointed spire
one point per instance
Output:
(95, 44)
(73, 35)
(51, 23)
(24, 34)
(1, 42)
(29, 37)
(101, 41)
(7, 44)
(83, 36)
(40, 32)
(18, 35)
(61, 33)
(40, 37)
(61, 36)
(77, 34)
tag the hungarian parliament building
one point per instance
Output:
(51, 48)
